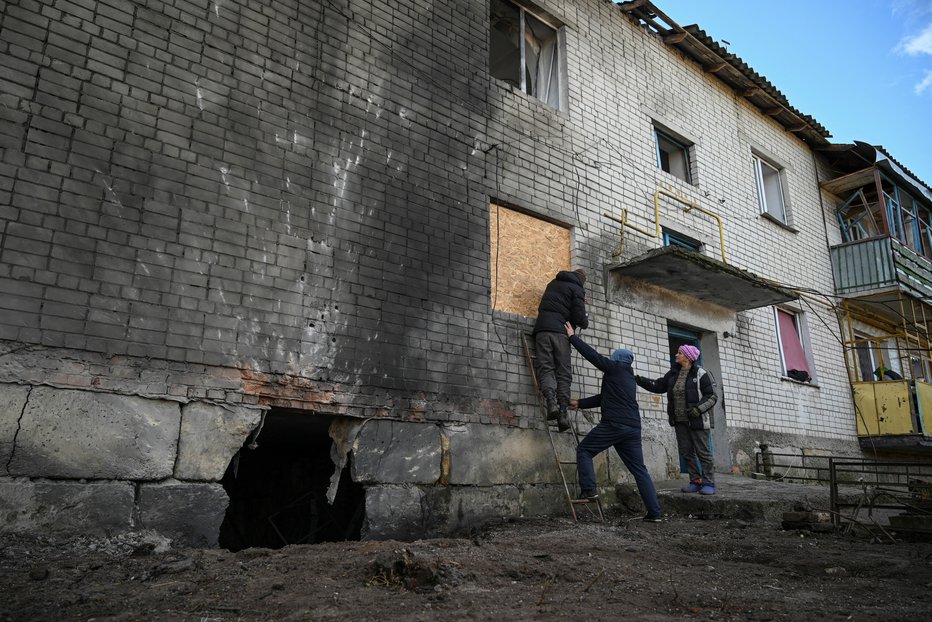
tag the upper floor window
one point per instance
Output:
(526, 52)
(770, 189)
(673, 155)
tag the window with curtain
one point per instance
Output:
(525, 52)
(793, 352)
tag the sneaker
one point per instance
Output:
(563, 422)
(691, 487)
(588, 495)
(553, 409)
(652, 518)
(707, 489)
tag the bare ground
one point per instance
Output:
(530, 569)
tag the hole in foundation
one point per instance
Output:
(278, 491)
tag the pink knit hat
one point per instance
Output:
(690, 352)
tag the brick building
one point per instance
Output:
(265, 267)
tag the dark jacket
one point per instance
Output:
(700, 394)
(618, 397)
(563, 301)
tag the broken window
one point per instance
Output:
(770, 189)
(673, 155)
(526, 253)
(792, 339)
(860, 216)
(525, 52)
(907, 218)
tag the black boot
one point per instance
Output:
(563, 419)
(553, 408)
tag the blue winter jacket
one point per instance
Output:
(618, 397)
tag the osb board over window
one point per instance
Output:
(526, 254)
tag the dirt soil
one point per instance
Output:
(529, 569)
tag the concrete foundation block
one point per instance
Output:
(395, 452)
(12, 401)
(188, 513)
(210, 436)
(471, 507)
(544, 500)
(82, 434)
(66, 508)
(489, 455)
(393, 512)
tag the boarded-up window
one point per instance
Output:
(526, 253)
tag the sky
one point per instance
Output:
(861, 68)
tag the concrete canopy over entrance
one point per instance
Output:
(709, 280)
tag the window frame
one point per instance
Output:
(758, 162)
(675, 238)
(864, 347)
(559, 63)
(802, 334)
(684, 147)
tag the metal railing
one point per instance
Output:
(791, 467)
(905, 487)
(863, 492)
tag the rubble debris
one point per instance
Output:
(404, 569)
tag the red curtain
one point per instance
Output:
(793, 354)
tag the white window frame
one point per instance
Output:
(802, 333)
(557, 98)
(769, 180)
(681, 146)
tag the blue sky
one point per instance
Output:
(861, 68)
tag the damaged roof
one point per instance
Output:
(729, 68)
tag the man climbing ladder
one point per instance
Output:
(563, 301)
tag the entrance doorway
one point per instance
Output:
(278, 491)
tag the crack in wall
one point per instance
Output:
(19, 426)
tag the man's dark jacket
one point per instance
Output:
(618, 398)
(563, 301)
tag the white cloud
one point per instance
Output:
(918, 44)
(925, 84)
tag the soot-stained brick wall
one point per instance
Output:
(294, 190)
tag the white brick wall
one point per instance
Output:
(619, 77)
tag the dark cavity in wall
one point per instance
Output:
(278, 491)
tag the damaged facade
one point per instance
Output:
(265, 267)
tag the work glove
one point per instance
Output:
(639, 379)
(693, 413)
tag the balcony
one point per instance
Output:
(894, 415)
(879, 264)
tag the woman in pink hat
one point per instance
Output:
(691, 395)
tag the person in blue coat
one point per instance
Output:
(620, 426)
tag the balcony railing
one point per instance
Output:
(878, 263)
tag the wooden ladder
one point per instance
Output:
(571, 500)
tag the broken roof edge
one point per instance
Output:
(877, 156)
(646, 13)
